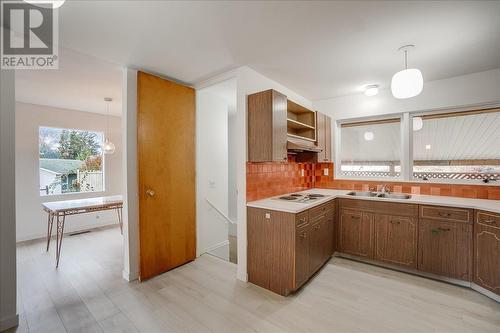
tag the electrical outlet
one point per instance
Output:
(268, 215)
(302, 173)
(211, 184)
(325, 172)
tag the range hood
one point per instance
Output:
(299, 146)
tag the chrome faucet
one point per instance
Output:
(384, 189)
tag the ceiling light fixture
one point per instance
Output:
(108, 147)
(369, 136)
(46, 3)
(418, 123)
(371, 90)
(408, 82)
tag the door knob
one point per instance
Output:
(150, 193)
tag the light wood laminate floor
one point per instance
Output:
(87, 294)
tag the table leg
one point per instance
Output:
(60, 232)
(50, 221)
(120, 221)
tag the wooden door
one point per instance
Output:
(396, 240)
(356, 233)
(166, 164)
(487, 256)
(302, 256)
(444, 248)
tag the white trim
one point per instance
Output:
(215, 79)
(9, 322)
(69, 230)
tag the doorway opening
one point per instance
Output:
(216, 170)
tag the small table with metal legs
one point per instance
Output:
(60, 209)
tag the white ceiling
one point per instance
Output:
(80, 83)
(318, 49)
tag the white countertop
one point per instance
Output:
(296, 207)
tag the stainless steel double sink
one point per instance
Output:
(379, 195)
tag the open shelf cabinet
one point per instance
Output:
(301, 122)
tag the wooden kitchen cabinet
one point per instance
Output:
(487, 251)
(356, 235)
(267, 127)
(302, 262)
(324, 137)
(445, 248)
(285, 249)
(396, 240)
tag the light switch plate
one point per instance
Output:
(325, 172)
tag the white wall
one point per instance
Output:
(211, 169)
(232, 148)
(130, 177)
(249, 81)
(31, 220)
(460, 91)
(8, 311)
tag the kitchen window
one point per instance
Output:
(70, 161)
(371, 149)
(460, 146)
(436, 147)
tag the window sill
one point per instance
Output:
(419, 181)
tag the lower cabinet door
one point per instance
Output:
(487, 257)
(356, 234)
(302, 240)
(316, 246)
(396, 240)
(444, 248)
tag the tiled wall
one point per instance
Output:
(465, 191)
(270, 179)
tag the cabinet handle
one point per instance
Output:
(357, 217)
(488, 221)
(395, 222)
(444, 214)
(304, 235)
(444, 229)
(316, 227)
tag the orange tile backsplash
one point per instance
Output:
(465, 191)
(274, 178)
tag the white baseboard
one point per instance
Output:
(68, 230)
(9, 322)
(130, 276)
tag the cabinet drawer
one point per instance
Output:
(302, 219)
(446, 213)
(321, 211)
(488, 219)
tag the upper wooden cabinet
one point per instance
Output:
(324, 136)
(267, 127)
(274, 122)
